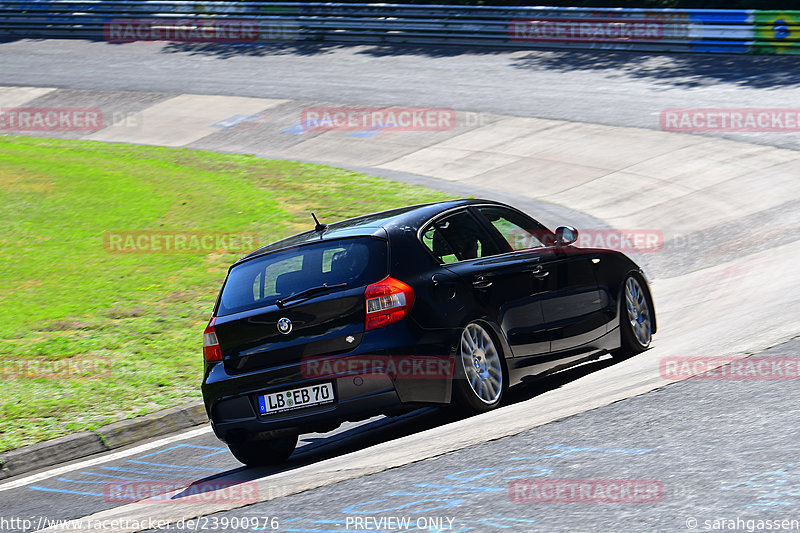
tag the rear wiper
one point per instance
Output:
(309, 292)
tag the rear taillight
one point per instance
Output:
(211, 349)
(387, 302)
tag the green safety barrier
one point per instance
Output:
(776, 32)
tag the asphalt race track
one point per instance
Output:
(569, 137)
(615, 88)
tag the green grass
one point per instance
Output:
(138, 317)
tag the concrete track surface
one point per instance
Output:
(725, 284)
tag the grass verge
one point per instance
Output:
(89, 336)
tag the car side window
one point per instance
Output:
(520, 232)
(434, 240)
(458, 237)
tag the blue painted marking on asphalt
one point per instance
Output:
(197, 446)
(771, 504)
(782, 483)
(81, 480)
(371, 132)
(303, 127)
(538, 471)
(295, 129)
(541, 471)
(486, 472)
(157, 471)
(233, 121)
(132, 471)
(399, 501)
(225, 450)
(173, 466)
(418, 500)
(114, 477)
(776, 477)
(46, 489)
(448, 503)
(572, 449)
(447, 489)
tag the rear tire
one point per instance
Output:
(481, 378)
(263, 452)
(636, 317)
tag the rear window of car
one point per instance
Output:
(264, 280)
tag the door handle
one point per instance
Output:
(539, 272)
(482, 282)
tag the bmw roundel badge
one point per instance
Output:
(285, 326)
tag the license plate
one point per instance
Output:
(292, 399)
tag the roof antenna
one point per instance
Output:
(319, 226)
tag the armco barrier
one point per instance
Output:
(674, 30)
(777, 32)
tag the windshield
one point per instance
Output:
(265, 280)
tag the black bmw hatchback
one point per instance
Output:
(434, 304)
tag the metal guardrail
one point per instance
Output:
(728, 31)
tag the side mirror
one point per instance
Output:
(565, 235)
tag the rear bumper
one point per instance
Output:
(366, 382)
(236, 418)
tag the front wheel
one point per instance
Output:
(263, 452)
(636, 320)
(481, 380)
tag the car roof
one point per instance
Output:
(372, 225)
